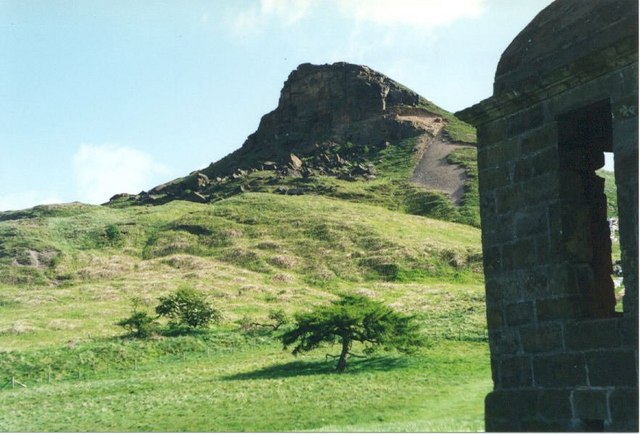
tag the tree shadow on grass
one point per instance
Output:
(305, 368)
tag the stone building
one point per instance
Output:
(563, 357)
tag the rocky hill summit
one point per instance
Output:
(337, 121)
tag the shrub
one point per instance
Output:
(113, 233)
(187, 308)
(140, 324)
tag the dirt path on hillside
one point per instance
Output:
(434, 172)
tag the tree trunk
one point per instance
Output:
(342, 362)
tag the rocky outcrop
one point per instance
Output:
(340, 102)
(329, 120)
(320, 104)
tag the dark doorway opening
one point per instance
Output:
(584, 136)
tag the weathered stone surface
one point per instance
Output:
(516, 372)
(554, 404)
(559, 308)
(590, 404)
(507, 404)
(295, 162)
(519, 313)
(612, 368)
(538, 50)
(586, 335)
(503, 341)
(560, 370)
(342, 102)
(565, 92)
(623, 404)
(540, 338)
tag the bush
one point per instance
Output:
(187, 308)
(140, 324)
(113, 233)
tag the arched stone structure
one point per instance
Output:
(565, 91)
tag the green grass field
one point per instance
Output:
(258, 387)
(68, 274)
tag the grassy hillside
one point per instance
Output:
(390, 187)
(69, 272)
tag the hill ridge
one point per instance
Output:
(333, 120)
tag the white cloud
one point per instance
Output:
(285, 12)
(425, 14)
(26, 199)
(104, 170)
(419, 13)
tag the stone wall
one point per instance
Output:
(562, 359)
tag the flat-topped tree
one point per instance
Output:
(352, 318)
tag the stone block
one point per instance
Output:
(629, 331)
(498, 154)
(541, 338)
(508, 199)
(531, 221)
(539, 164)
(493, 289)
(525, 120)
(623, 405)
(570, 307)
(541, 190)
(535, 282)
(540, 139)
(515, 372)
(590, 404)
(562, 281)
(519, 313)
(503, 342)
(511, 404)
(544, 248)
(492, 132)
(498, 229)
(503, 287)
(559, 370)
(543, 425)
(555, 404)
(594, 334)
(612, 368)
(519, 254)
(491, 178)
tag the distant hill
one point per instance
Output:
(345, 131)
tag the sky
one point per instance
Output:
(108, 96)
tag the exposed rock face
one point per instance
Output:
(341, 102)
(322, 104)
(329, 117)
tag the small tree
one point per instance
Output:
(352, 318)
(189, 308)
(140, 324)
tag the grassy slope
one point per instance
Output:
(394, 165)
(56, 321)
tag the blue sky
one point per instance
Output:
(102, 97)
